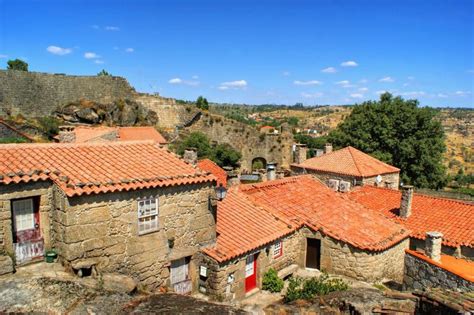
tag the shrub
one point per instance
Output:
(49, 125)
(309, 288)
(271, 282)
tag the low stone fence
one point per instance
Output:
(422, 272)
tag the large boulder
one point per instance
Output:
(118, 283)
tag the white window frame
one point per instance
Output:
(278, 249)
(24, 213)
(147, 219)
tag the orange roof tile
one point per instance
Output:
(141, 133)
(305, 199)
(92, 133)
(92, 168)
(348, 161)
(458, 266)
(455, 219)
(242, 227)
(214, 169)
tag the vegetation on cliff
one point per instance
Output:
(400, 133)
(17, 64)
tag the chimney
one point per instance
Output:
(319, 152)
(328, 148)
(67, 134)
(433, 245)
(232, 179)
(300, 153)
(405, 204)
(271, 171)
(190, 156)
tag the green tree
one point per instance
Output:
(17, 64)
(293, 121)
(400, 133)
(103, 73)
(225, 155)
(202, 103)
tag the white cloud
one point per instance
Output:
(441, 95)
(129, 50)
(329, 70)
(380, 92)
(98, 61)
(349, 63)
(345, 84)
(462, 93)
(112, 28)
(406, 84)
(310, 82)
(175, 81)
(56, 50)
(195, 77)
(311, 95)
(184, 82)
(238, 84)
(363, 89)
(470, 71)
(223, 88)
(3, 56)
(386, 79)
(357, 95)
(286, 73)
(91, 55)
(411, 78)
(413, 93)
(363, 81)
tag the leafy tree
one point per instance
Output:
(221, 154)
(293, 121)
(202, 103)
(103, 73)
(400, 133)
(17, 64)
(311, 143)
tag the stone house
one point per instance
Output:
(348, 165)
(298, 222)
(80, 134)
(127, 207)
(421, 214)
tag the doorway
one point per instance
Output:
(313, 253)
(250, 273)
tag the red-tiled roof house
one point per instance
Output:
(351, 166)
(130, 207)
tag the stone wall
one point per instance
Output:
(248, 140)
(102, 230)
(388, 180)
(460, 252)
(422, 273)
(218, 284)
(341, 258)
(39, 94)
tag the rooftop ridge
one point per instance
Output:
(75, 144)
(273, 183)
(349, 148)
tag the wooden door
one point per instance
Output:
(180, 280)
(250, 273)
(313, 253)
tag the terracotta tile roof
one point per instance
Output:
(92, 168)
(214, 169)
(141, 133)
(458, 266)
(304, 199)
(455, 219)
(242, 227)
(92, 134)
(348, 161)
(21, 134)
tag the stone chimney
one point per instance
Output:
(271, 171)
(405, 204)
(433, 245)
(190, 156)
(328, 148)
(66, 134)
(232, 179)
(319, 152)
(300, 153)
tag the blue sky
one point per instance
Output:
(283, 52)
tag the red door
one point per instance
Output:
(26, 229)
(250, 273)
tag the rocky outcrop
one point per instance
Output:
(6, 265)
(121, 112)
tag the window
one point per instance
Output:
(24, 217)
(278, 249)
(147, 215)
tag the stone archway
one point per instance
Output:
(259, 163)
